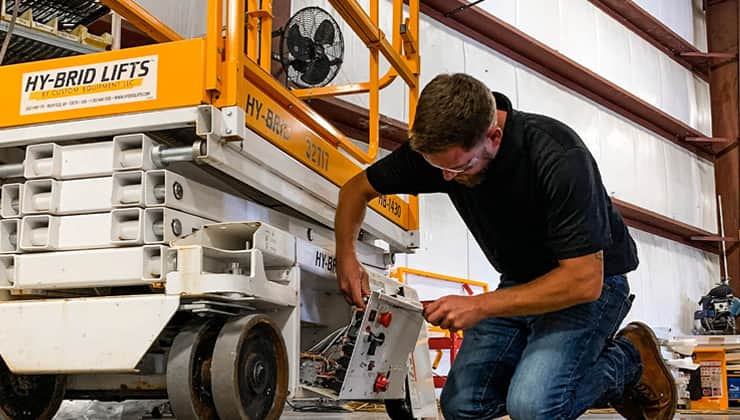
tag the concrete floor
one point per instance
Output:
(138, 410)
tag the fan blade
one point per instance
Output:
(325, 33)
(298, 45)
(299, 65)
(317, 71)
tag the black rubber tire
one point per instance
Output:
(39, 403)
(400, 409)
(188, 378)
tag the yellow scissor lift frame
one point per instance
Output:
(230, 67)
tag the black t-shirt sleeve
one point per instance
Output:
(405, 172)
(576, 209)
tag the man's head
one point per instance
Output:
(455, 127)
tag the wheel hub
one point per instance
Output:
(249, 371)
(256, 372)
(22, 385)
(259, 373)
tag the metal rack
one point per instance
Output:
(70, 13)
(29, 44)
(32, 45)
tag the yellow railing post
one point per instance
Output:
(266, 35)
(374, 118)
(214, 44)
(253, 38)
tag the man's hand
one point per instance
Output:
(353, 280)
(455, 312)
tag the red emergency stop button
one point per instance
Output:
(385, 319)
(381, 383)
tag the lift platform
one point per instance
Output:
(166, 228)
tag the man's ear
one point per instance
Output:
(494, 135)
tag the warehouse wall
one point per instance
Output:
(637, 165)
(683, 17)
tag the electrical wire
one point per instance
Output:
(329, 337)
(6, 41)
(318, 408)
(333, 342)
(461, 8)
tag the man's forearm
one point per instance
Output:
(349, 217)
(347, 226)
(558, 289)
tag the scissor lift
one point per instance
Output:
(166, 229)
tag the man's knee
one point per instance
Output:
(525, 405)
(449, 403)
(454, 404)
(457, 404)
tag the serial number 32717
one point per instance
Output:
(316, 155)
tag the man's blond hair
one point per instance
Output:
(453, 110)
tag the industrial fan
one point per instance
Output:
(311, 48)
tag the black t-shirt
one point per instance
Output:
(542, 199)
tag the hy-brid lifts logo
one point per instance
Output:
(92, 85)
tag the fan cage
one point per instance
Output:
(307, 20)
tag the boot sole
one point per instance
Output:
(663, 366)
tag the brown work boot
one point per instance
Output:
(654, 396)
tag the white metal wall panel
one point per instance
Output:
(441, 50)
(617, 162)
(707, 201)
(443, 238)
(673, 274)
(684, 17)
(676, 80)
(505, 10)
(700, 108)
(479, 268)
(575, 40)
(492, 69)
(539, 19)
(613, 51)
(186, 17)
(540, 95)
(650, 169)
(447, 246)
(681, 189)
(699, 25)
(647, 81)
(650, 6)
(592, 38)
(678, 15)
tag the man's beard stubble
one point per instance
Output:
(475, 179)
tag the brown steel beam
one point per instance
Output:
(499, 35)
(353, 121)
(666, 227)
(280, 16)
(722, 35)
(652, 30)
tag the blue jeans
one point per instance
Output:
(551, 366)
